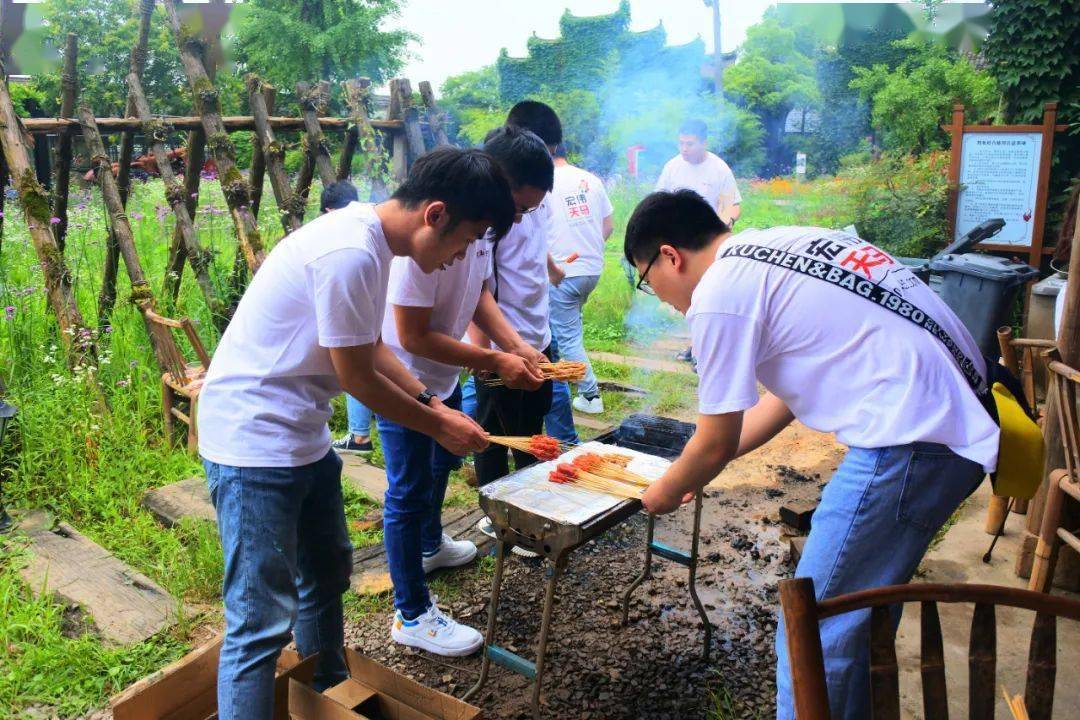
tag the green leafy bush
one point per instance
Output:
(899, 202)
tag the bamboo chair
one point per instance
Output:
(802, 613)
(182, 380)
(1026, 359)
(1063, 484)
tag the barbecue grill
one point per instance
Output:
(554, 538)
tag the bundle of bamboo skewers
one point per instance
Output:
(568, 474)
(564, 370)
(1015, 704)
(543, 447)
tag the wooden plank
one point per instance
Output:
(125, 605)
(671, 366)
(363, 476)
(982, 663)
(187, 498)
(884, 673)
(932, 665)
(590, 423)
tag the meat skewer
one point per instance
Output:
(542, 447)
(564, 370)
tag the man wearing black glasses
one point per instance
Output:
(847, 340)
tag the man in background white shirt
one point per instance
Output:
(581, 215)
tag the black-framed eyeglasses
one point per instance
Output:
(523, 211)
(643, 281)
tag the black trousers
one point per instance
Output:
(502, 411)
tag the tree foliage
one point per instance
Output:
(289, 40)
(910, 102)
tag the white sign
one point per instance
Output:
(999, 178)
(800, 163)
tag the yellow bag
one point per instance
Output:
(1021, 450)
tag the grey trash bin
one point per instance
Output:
(981, 290)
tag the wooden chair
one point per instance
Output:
(182, 380)
(1063, 484)
(802, 613)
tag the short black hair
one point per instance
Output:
(338, 195)
(470, 182)
(539, 118)
(523, 157)
(560, 150)
(694, 127)
(682, 219)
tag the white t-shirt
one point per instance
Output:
(711, 178)
(580, 205)
(452, 294)
(841, 363)
(520, 280)
(266, 399)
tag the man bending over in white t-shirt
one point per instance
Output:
(307, 329)
(828, 324)
(429, 315)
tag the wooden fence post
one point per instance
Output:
(107, 297)
(357, 96)
(312, 104)
(399, 157)
(201, 259)
(436, 118)
(36, 213)
(414, 136)
(258, 159)
(233, 185)
(193, 163)
(290, 206)
(69, 91)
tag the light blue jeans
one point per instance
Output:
(876, 518)
(359, 416)
(566, 300)
(287, 563)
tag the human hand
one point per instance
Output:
(519, 372)
(459, 433)
(660, 499)
(555, 274)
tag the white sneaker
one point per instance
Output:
(451, 554)
(435, 632)
(488, 529)
(591, 407)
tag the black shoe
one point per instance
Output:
(348, 446)
(686, 355)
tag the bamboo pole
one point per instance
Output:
(258, 159)
(235, 188)
(36, 214)
(141, 294)
(436, 117)
(313, 101)
(232, 123)
(357, 97)
(290, 208)
(200, 258)
(69, 91)
(195, 155)
(137, 63)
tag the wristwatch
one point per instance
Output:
(425, 397)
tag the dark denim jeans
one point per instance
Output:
(287, 563)
(417, 469)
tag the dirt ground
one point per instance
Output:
(652, 668)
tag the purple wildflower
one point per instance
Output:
(9, 312)
(54, 220)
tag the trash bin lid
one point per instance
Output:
(987, 267)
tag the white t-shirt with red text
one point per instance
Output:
(579, 206)
(840, 361)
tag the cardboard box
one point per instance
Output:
(187, 689)
(374, 692)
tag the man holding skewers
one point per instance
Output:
(428, 314)
(308, 328)
(846, 339)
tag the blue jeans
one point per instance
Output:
(287, 563)
(417, 470)
(876, 518)
(359, 416)
(566, 300)
(468, 396)
(559, 422)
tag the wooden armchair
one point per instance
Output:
(802, 613)
(1063, 484)
(182, 380)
